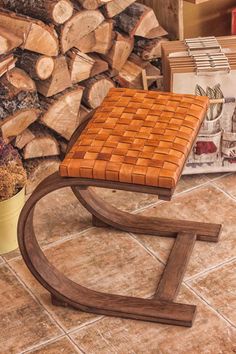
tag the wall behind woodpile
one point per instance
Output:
(169, 14)
(184, 19)
(210, 18)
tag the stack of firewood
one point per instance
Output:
(58, 60)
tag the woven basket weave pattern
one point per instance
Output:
(136, 136)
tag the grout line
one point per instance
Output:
(146, 248)
(67, 238)
(209, 270)
(87, 323)
(2, 261)
(84, 325)
(224, 192)
(210, 306)
(54, 243)
(76, 345)
(39, 345)
(136, 211)
(220, 177)
(27, 288)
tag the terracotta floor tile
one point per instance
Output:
(129, 201)
(23, 323)
(12, 255)
(228, 184)
(61, 346)
(218, 288)
(205, 204)
(57, 215)
(190, 181)
(215, 176)
(209, 334)
(67, 317)
(102, 259)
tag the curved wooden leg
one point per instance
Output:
(106, 214)
(67, 292)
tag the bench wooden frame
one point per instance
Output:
(64, 292)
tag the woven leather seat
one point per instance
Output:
(139, 137)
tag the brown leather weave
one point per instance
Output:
(136, 136)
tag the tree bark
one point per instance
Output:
(44, 144)
(139, 20)
(96, 90)
(39, 67)
(57, 11)
(17, 91)
(38, 169)
(37, 37)
(115, 7)
(149, 49)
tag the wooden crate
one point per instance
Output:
(192, 18)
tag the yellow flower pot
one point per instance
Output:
(9, 214)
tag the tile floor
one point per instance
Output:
(110, 260)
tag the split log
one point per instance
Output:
(100, 40)
(131, 74)
(96, 90)
(7, 62)
(61, 113)
(39, 67)
(38, 170)
(37, 37)
(81, 24)
(8, 41)
(59, 80)
(83, 112)
(44, 144)
(120, 51)
(63, 144)
(92, 4)
(14, 125)
(139, 20)
(100, 66)
(80, 65)
(24, 138)
(115, 7)
(149, 49)
(17, 91)
(57, 11)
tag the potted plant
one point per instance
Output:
(12, 195)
